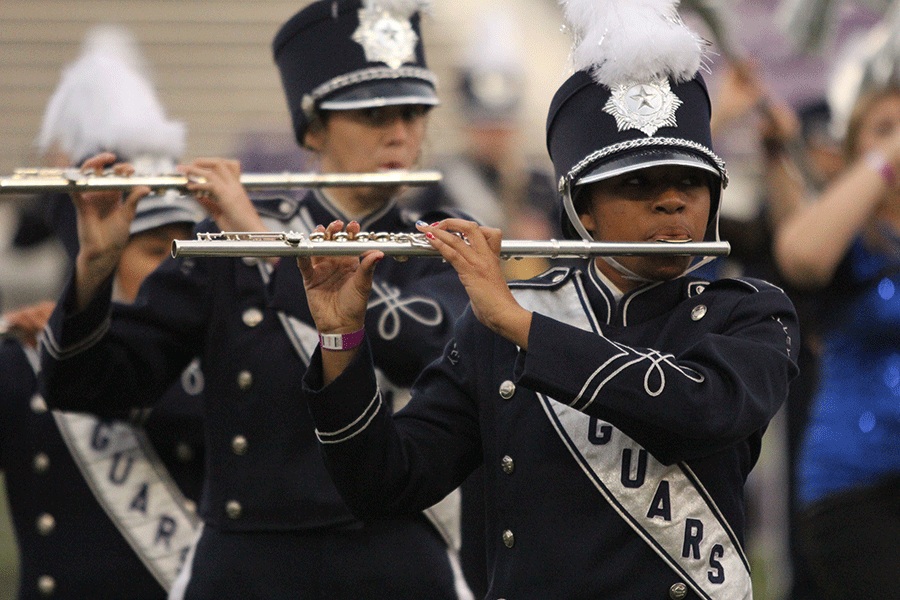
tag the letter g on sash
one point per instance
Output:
(100, 437)
(599, 433)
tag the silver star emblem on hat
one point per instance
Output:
(385, 37)
(645, 106)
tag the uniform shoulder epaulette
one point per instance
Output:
(747, 283)
(412, 215)
(281, 207)
(551, 278)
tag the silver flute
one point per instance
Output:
(34, 181)
(404, 245)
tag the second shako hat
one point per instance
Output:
(349, 54)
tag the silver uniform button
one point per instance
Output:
(190, 506)
(508, 538)
(252, 317)
(38, 405)
(698, 312)
(46, 585)
(507, 465)
(45, 524)
(233, 509)
(678, 591)
(285, 207)
(507, 389)
(41, 463)
(245, 380)
(239, 445)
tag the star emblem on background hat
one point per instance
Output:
(643, 106)
(385, 37)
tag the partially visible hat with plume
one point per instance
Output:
(636, 100)
(350, 54)
(105, 102)
(491, 74)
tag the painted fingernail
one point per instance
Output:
(436, 223)
(429, 235)
(421, 223)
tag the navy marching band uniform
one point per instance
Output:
(68, 545)
(549, 530)
(616, 447)
(274, 526)
(251, 329)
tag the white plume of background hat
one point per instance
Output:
(491, 71)
(105, 102)
(620, 41)
(400, 8)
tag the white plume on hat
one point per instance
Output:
(403, 8)
(495, 43)
(105, 102)
(621, 41)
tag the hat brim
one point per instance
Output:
(373, 94)
(168, 209)
(644, 159)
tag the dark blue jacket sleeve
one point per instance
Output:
(722, 387)
(400, 464)
(110, 357)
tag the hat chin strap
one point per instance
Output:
(622, 269)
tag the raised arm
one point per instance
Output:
(811, 243)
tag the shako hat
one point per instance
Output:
(636, 100)
(349, 54)
(491, 76)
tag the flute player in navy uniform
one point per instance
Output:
(617, 408)
(104, 506)
(274, 526)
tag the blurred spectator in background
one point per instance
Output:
(798, 156)
(491, 179)
(844, 248)
(103, 508)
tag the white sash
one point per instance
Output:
(667, 506)
(131, 483)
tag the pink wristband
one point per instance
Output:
(341, 341)
(881, 165)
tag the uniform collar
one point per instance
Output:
(641, 304)
(369, 222)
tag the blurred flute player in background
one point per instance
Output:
(617, 408)
(274, 526)
(104, 506)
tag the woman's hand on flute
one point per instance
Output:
(474, 252)
(222, 194)
(337, 291)
(104, 220)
